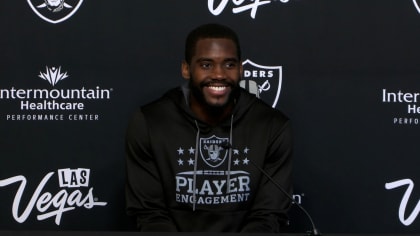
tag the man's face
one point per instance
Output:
(214, 72)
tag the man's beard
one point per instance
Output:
(197, 92)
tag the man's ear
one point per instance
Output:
(185, 70)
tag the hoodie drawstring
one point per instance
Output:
(197, 140)
(230, 155)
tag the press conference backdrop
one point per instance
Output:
(347, 73)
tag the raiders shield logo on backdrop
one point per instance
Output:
(416, 4)
(212, 151)
(263, 81)
(55, 11)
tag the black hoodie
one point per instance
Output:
(170, 153)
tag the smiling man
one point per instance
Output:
(191, 154)
(213, 71)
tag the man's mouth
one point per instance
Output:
(217, 88)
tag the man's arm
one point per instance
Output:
(269, 210)
(144, 191)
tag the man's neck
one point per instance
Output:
(211, 115)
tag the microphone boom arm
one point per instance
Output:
(314, 231)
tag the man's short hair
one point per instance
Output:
(209, 31)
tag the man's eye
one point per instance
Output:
(230, 65)
(205, 65)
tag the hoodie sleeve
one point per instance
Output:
(269, 210)
(144, 192)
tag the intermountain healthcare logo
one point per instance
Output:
(240, 6)
(53, 75)
(71, 182)
(42, 104)
(409, 99)
(404, 202)
(263, 81)
(55, 11)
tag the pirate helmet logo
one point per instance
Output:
(55, 11)
(212, 151)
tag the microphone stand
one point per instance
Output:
(314, 231)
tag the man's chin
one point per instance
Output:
(220, 102)
(217, 104)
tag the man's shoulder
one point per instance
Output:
(162, 104)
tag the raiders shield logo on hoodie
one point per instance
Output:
(212, 151)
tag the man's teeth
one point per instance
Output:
(217, 88)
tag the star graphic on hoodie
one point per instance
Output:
(236, 162)
(180, 162)
(235, 152)
(245, 161)
(180, 151)
(246, 150)
(191, 150)
(190, 162)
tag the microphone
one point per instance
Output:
(314, 231)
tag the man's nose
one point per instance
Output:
(219, 72)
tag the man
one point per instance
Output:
(191, 153)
